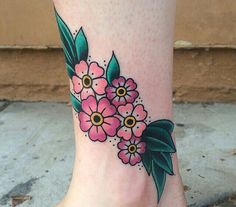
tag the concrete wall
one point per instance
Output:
(205, 43)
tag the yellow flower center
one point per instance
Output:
(130, 121)
(121, 91)
(96, 119)
(132, 148)
(87, 81)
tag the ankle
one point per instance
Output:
(133, 191)
(115, 185)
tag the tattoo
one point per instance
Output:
(108, 106)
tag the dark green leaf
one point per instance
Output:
(160, 134)
(168, 158)
(68, 57)
(164, 124)
(81, 45)
(159, 177)
(75, 103)
(147, 161)
(70, 71)
(164, 161)
(113, 69)
(67, 41)
(157, 145)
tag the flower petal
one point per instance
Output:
(134, 159)
(117, 101)
(89, 105)
(86, 92)
(121, 118)
(139, 112)
(130, 84)
(134, 140)
(125, 110)
(110, 125)
(81, 69)
(96, 133)
(118, 82)
(111, 92)
(106, 108)
(95, 70)
(123, 144)
(141, 147)
(139, 128)
(124, 155)
(131, 96)
(99, 85)
(124, 132)
(77, 84)
(85, 123)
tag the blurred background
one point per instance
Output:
(36, 135)
(204, 63)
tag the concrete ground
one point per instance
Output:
(37, 150)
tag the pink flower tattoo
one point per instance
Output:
(97, 118)
(132, 121)
(88, 80)
(105, 107)
(131, 150)
(122, 91)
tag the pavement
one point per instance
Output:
(37, 151)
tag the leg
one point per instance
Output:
(140, 34)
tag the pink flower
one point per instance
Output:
(122, 91)
(132, 121)
(88, 79)
(97, 118)
(131, 150)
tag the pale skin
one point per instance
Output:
(141, 34)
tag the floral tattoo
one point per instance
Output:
(107, 106)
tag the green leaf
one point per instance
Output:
(67, 41)
(168, 159)
(157, 145)
(164, 124)
(81, 45)
(70, 71)
(164, 161)
(159, 177)
(113, 69)
(147, 161)
(159, 134)
(75, 103)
